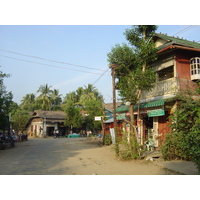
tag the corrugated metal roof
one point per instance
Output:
(50, 114)
(109, 106)
(174, 40)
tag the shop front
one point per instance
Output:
(156, 121)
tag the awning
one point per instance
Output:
(155, 103)
(122, 109)
(118, 117)
(150, 104)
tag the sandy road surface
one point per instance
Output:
(69, 156)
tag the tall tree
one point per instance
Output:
(79, 93)
(133, 70)
(73, 115)
(44, 97)
(19, 120)
(56, 97)
(93, 108)
(28, 102)
(71, 96)
(90, 93)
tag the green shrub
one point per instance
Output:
(184, 141)
(107, 139)
(129, 150)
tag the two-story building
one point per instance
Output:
(177, 68)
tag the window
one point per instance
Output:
(166, 73)
(195, 66)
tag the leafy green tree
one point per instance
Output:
(93, 108)
(19, 120)
(88, 99)
(5, 103)
(132, 66)
(74, 117)
(133, 71)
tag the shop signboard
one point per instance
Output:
(97, 118)
(154, 113)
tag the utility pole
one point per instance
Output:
(113, 67)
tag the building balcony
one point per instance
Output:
(162, 88)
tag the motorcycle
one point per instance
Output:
(7, 141)
(10, 141)
(2, 142)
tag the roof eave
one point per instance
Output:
(177, 47)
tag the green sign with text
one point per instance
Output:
(154, 113)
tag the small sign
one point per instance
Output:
(97, 118)
(112, 133)
(154, 113)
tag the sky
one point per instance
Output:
(65, 56)
(65, 45)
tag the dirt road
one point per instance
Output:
(69, 156)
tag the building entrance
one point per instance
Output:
(148, 121)
(50, 131)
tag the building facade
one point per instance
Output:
(177, 68)
(43, 123)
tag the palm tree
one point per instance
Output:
(79, 93)
(28, 101)
(56, 97)
(91, 93)
(44, 97)
(70, 97)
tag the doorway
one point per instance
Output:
(148, 121)
(50, 131)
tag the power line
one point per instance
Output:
(36, 57)
(52, 65)
(100, 77)
(185, 29)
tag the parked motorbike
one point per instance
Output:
(2, 142)
(10, 141)
(6, 141)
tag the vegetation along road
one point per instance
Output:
(69, 156)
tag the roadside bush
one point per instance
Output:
(107, 139)
(129, 150)
(184, 141)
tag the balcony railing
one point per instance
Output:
(169, 86)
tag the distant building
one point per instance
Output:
(43, 123)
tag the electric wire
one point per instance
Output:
(60, 62)
(53, 65)
(100, 76)
(185, 29)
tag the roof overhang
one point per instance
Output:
(171, 47)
